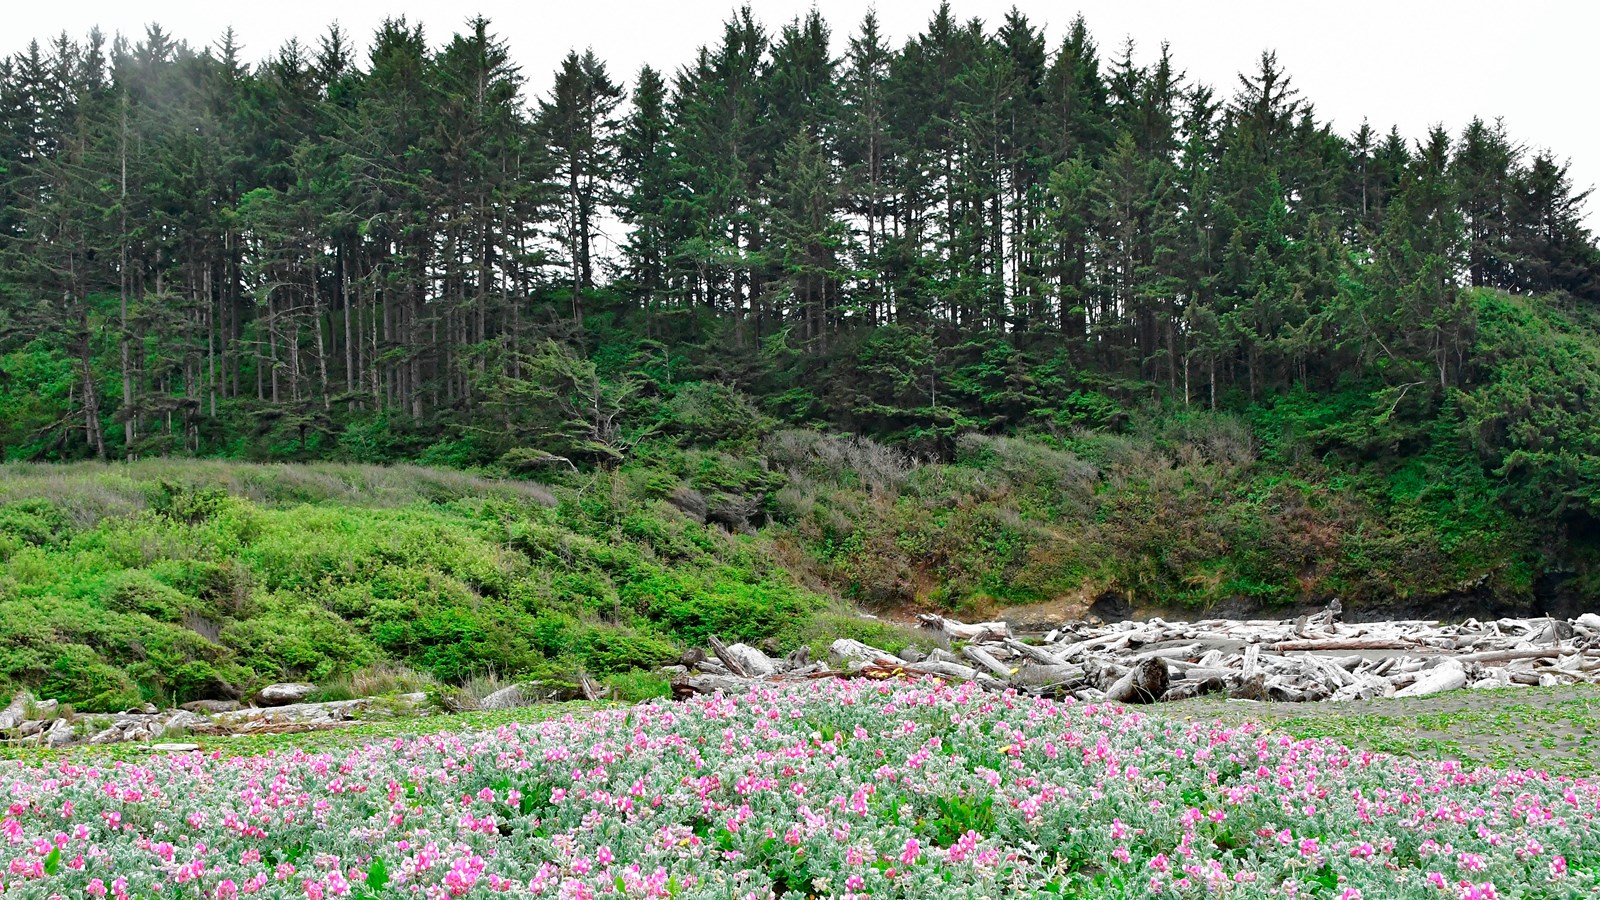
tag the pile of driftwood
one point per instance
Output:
(1317, 657)
(46, 723)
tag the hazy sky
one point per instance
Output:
(1402, 62)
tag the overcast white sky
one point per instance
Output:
(1401, 62)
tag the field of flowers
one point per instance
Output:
(827, 789)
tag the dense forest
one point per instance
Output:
(989, 315)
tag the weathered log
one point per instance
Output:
(1189, 689)
(733, 663)
(961, 631)
(690, 685)
(1038, 675)
(284, 694)
(847, 650)
(1183, 651)
(1449, 675)
(1366, 687)
(990, 683)
(1197, 672)
(1252, 654)
(985, 659)
(1037, 654)
(1501, 656)
(1146, 682)
(1555, 632)
(16, 712)
(588, 688)
(1344, 644)
(943, 669)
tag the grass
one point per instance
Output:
(1554, 729)
(332, 740)
(88, 491)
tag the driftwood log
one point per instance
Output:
(1311, 658)
(1146, 682)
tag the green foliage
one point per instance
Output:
(637, 686)
(180, 582)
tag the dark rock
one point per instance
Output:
(1252, 688)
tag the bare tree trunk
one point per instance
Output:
(211, 342)
(130, 421)
(272, 344)
(316, 326)
(350, 374)
(91, 395)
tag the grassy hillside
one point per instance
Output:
(177, 580)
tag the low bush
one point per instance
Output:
(172, 582)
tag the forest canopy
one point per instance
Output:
(977, 229)
(1375, 351)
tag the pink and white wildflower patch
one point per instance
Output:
(826, 789)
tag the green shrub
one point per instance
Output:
(608, 651)
(637, 686)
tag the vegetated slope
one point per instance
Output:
(179, 580)
(183, 578)
(1392, 496)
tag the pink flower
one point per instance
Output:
(912, 849)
